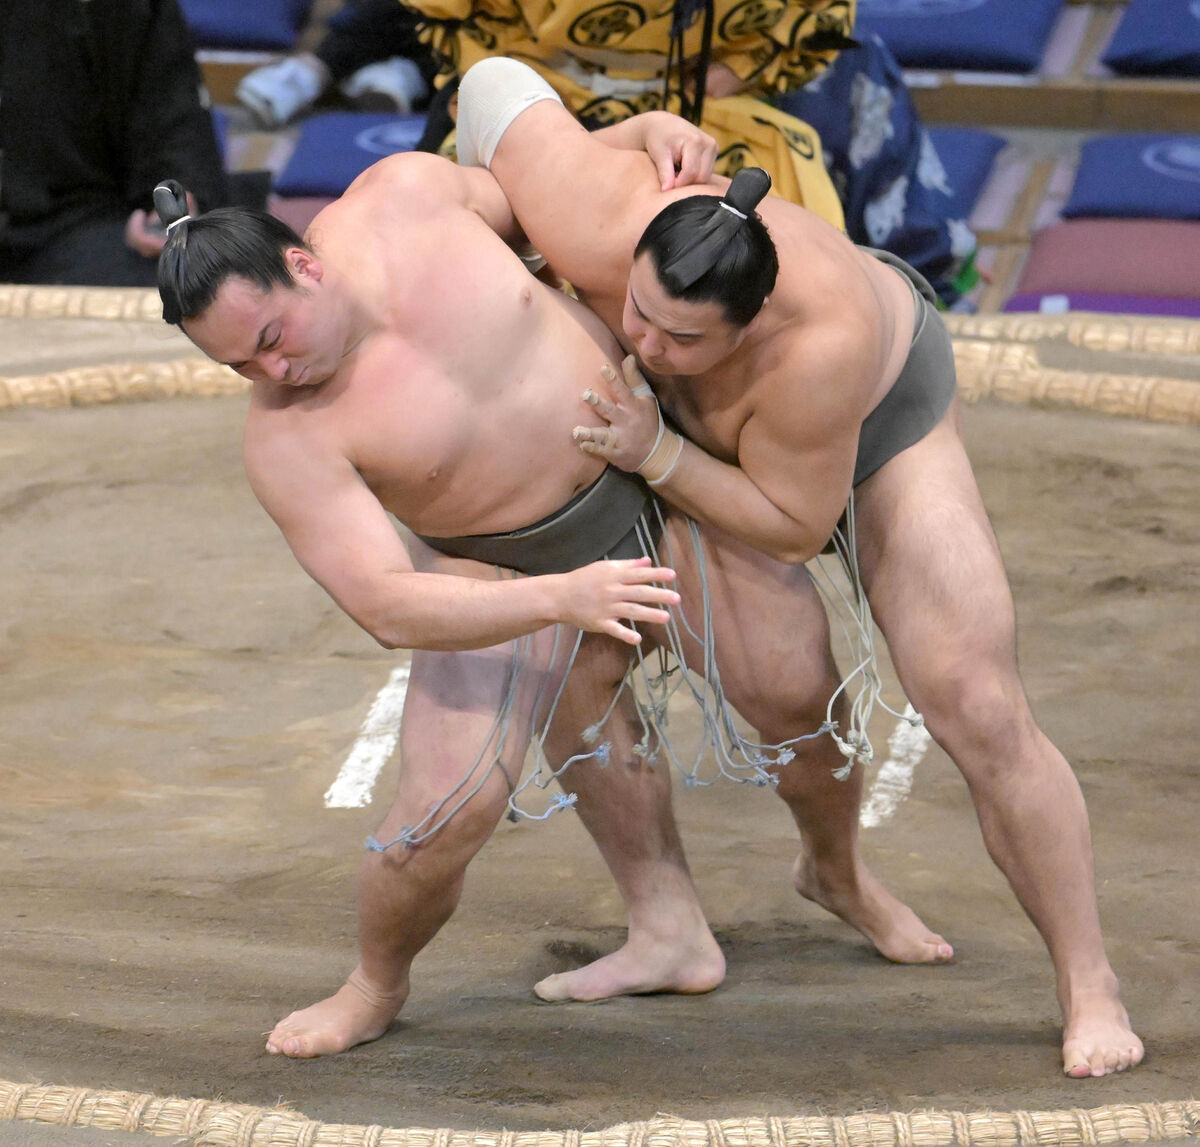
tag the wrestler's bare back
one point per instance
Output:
(456, 406)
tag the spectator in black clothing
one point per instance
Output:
(97, 101)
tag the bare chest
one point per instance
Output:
(711, 410)
(472, 435)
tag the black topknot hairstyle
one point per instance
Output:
(202, 251)
(716, 249)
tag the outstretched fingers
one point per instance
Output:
(631, 416)
(617, 627)
(645, 583)
(588, 440)
(633, 382)
(683, 155)
(643, 601)
(601, 405)
(610, 596)
(681, 152)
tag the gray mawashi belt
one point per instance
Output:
(592, 525)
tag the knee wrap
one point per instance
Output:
(491, 95)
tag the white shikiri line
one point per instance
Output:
(906, 746)
(376, 743)
(381, 730)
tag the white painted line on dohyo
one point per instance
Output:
(380, 731)
(906, 746)
(376, 743)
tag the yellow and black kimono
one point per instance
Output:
(608, 59)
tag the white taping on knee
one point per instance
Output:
(490, 96)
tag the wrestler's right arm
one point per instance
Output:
(346, 542)
(682, 153)
(582, 203)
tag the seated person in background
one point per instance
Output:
(847, 107)
(370, 54)
(96, 100)
(885, 168)
(713, 64)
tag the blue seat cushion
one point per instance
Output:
(1137, 177)
(1156, 38)
(966, 35)
(267, 25)
(967, 155)
(334, 149)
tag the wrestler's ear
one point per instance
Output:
(303, 264)
(752, 325)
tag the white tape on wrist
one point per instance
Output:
(662, 467)
(660, 463)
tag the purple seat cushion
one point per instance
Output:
(1060, 301)
(1148, 257)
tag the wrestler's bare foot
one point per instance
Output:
(643, 965)
(354, 1014)
(1097, 1036)
(895, 929)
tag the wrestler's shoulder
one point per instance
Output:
(279, 413)
(813, 341)
(403, 181)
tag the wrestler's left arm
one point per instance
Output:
(785, 494)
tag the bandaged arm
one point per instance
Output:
(495, 91)
(491, 95)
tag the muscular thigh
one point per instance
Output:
(465, 709)
(768, 624)
(596, 710)
(930, 562)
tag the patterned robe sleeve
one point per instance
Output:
(792, 49)
(463, 32)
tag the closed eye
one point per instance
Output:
(675, 336)
(265, 342)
